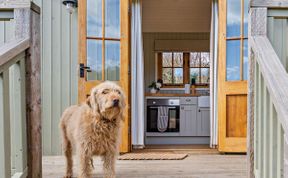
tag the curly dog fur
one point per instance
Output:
(93, 128)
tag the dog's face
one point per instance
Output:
(108, 99)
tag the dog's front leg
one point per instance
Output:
(109, 160)
(85, 167)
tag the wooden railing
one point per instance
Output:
(20, 95)
(268, 102)
(13, 138)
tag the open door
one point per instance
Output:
(232, 76)
(104, 50)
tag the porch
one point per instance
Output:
(198, 164)
(21, 132)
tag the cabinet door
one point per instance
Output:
(188, 120)
(203, 122)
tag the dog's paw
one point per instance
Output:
(67, 176)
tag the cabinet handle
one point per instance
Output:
(199, 110)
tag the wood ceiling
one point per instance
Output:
(176, 15)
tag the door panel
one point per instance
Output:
(104, 50)
(232, 76)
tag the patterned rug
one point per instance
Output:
(152, 156)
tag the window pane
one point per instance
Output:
(178, 59)
(167, 75)
(233, 18)
(205, 60)
(178, 76)
(233, 60)
(195, 59)
(94, 59)
(112, 18)
(246, 12)
(245, 60)
(94, 18)
(205, 75)
(194, 74)
(167, 59)
(112, 60)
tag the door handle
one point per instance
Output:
(82, 70)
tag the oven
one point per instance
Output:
(173, 106)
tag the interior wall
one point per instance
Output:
(149, 53)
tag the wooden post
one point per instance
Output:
(28, 24)
(257, 26)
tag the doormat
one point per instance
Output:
(152, 156)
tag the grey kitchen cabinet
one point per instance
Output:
(203, 122)
(188, 116)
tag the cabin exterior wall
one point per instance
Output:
(59, 66)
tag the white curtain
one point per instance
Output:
(213, 75)
(137, 76)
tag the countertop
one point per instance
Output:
(172, 95)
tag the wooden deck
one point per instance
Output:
(203, 164)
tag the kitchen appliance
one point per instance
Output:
(173, 106)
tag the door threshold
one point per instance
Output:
(189, 149)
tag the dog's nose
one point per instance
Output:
(115, 102)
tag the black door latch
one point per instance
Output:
(82, 70)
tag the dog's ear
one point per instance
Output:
(93, 100)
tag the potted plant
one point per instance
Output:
(155, 86)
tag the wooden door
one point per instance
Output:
(232, 75)
(104, 50)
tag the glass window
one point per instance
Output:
(94, 18)
(94, 59)
(112, 19)
(112, 60)
(103, 37)
(236, 44)
(245, 60)
(199, 67)
(233, 60)
(233, 18)
(172, 68)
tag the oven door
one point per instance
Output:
(173, 119)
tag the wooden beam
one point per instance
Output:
(275, 76)
(257, 26)
(5, 141)
(13, 4)
(33, 99)
(9, 51)
(28, 24)
(6, 15)
(269, 3)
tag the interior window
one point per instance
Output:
(178, 68)
(172, 68)
(199, 63)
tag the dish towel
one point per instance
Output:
(162, 120)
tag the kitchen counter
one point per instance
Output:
(171, 95)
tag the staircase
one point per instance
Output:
(268, 90)
(20, 94)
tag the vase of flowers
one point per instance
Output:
(155, 86)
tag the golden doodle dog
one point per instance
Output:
(93, 128)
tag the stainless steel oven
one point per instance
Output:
(173, 106)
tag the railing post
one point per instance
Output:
(285, 166)
(257, 26)
(5, 161)
(30, 18)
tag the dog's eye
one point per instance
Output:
(118, 92)
(105, 92)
